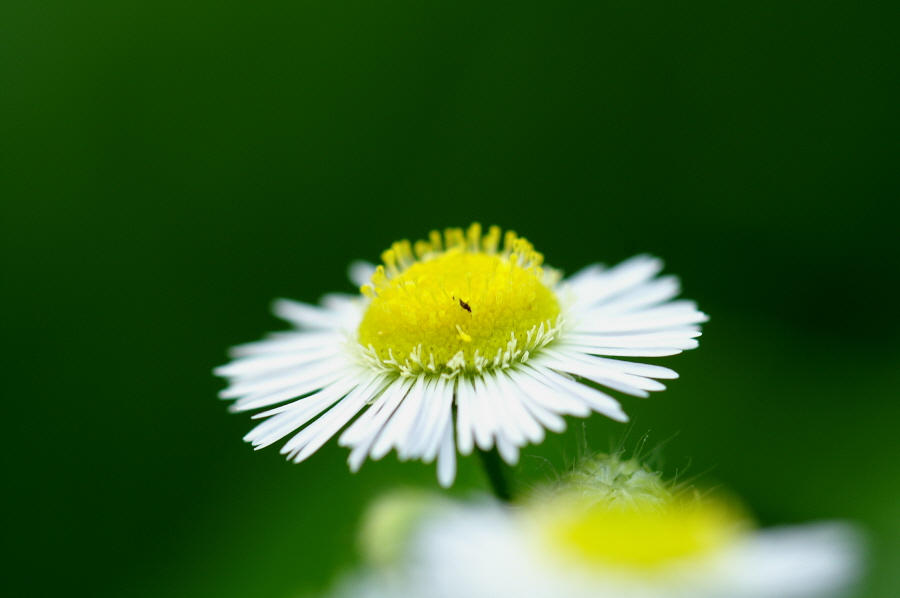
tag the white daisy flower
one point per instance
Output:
(625, 536)
(465, 324)
(488, 551)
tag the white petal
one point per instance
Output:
(497, 403)
(426, 419)
(291, 417)
(445, 414)
(288, 341)
(464, 428)
(529, 428)
(347, 306)
(301, 373)
(446, 465)
(546, 418)
(360, 272)
(428, 430)
(796, 562)
(601, 374)
(617, 352)
(482, 416)
(375, 426)
(272, 397)
(304, 315)
(262, 364)
(400, 423)
(365, 429)
(585, 276)
(311, 438)
(550, 397)
(680, 338)
(621, 277)
(508, 451)
(642, 296)
(629, 367)
(670, 315)
(596, 400)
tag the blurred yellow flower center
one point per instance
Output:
(458, 303)
(642, 537)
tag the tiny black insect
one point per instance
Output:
(465, 306)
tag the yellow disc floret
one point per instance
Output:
(643, 537)
(617, 513)
(458, 303)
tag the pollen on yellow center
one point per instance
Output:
(462, 305)
(643, 537)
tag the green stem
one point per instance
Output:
(493, 467)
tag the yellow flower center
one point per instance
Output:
(641, 535)
(459, 303)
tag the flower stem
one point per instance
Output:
(493, 467)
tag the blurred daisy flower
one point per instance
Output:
(617, 532)
(464, 323)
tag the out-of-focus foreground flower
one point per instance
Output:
(612, 529)
(465, 323)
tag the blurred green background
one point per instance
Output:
(168, 168)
